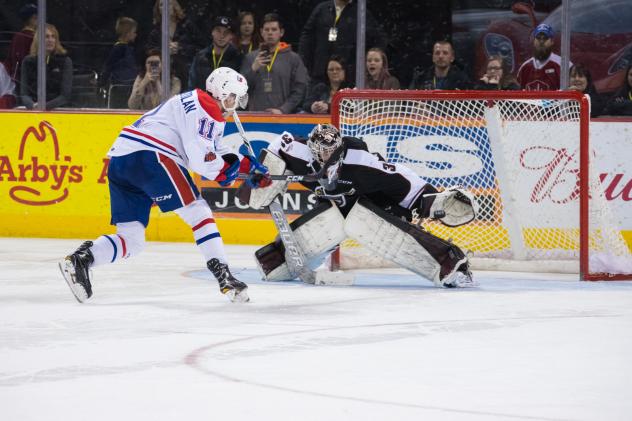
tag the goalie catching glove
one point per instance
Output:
(453, 207)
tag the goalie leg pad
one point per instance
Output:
(260, 198)
(453, 207)
(317, 232)
(405, 244)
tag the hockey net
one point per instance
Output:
(525, 156)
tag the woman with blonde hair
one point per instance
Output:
(58, 72)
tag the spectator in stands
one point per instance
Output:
(58, 73)
(497, 76)
(185, 38)
(277, 78)
(247, 38)
(147, 91)
(443, 74)
(319, 95)
(20, 45)
(331, 30)
(221, 53)
(621, 102)
(7, 89)
(120, 69)
(580, 80)
(542, 71)
(377, 74)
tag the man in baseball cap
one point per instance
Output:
(223, 21)
(542, 71)
(545, 29)
(221, 53)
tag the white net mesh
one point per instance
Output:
(519, 156)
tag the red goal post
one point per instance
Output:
(525, 155)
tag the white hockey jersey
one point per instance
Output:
(187, 128)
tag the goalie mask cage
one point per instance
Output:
(526, 157)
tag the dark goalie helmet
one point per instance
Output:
(323, 141)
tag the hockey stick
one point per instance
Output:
(309, 178)
(289, 177)
(294, 256)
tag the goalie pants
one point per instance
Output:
(139, 180)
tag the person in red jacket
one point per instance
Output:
(542, 71)
(20, 46)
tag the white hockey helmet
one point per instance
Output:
(323, 141)
(224, 82)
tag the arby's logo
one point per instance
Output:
(40, 173)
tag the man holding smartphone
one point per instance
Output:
(276, 75)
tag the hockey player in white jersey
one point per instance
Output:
(149, 163)
(363, 197)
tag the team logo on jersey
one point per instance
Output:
(210, 157)
(40, 169)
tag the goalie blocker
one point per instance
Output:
(324, 227)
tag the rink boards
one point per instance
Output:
(53, 176)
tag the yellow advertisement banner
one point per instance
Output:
(53, 181)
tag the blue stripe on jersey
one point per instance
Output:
(208, 237)
(113, 245)
(136, 139)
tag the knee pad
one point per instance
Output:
(133, 234)
(317, 232)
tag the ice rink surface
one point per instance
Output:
(157, 341)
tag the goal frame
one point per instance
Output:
(584, 148)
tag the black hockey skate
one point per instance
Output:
(234, 289)
(76, 271)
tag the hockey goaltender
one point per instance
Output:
(365, 198)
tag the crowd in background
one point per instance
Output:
(283, 79)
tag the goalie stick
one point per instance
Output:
(294, 256)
